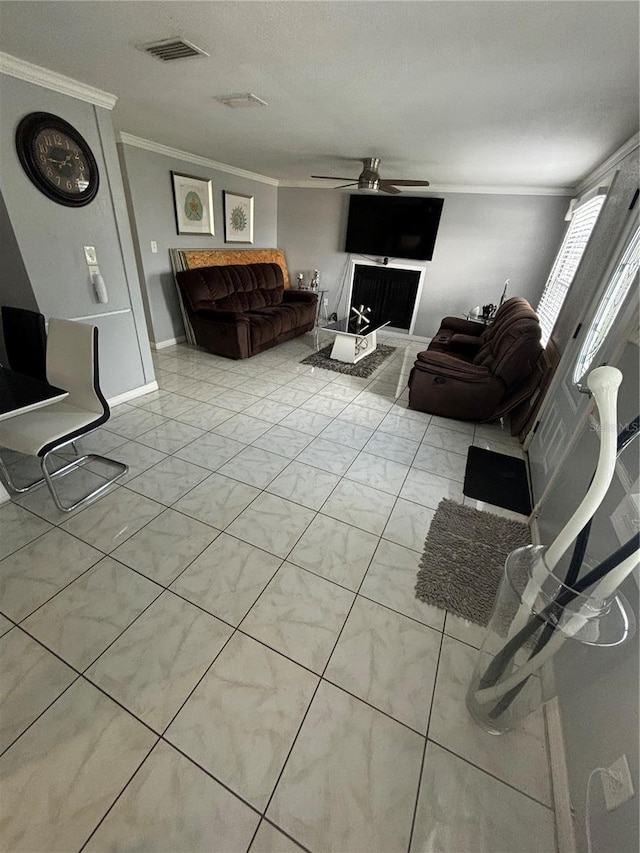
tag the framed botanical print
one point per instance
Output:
(238, 218)
(193, 200)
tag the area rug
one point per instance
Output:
(498, 479)
(463, 559)
(363, 368)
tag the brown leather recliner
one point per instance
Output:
(480, 376)
(239, 310)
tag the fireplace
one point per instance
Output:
(390, 292)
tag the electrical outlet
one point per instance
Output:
(617, 784)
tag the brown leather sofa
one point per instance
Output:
(240, 310)
(475, 372)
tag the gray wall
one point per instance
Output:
(50, 237)
(147, 178)
(600, 712)
(483, 240)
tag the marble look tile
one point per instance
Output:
(391, 580)
(402, 426)
(378, 473)
(235, 400)
(463, 630)
(462, 808)
(338, 391)
(227, 578)
(376, 400)
(349, 434)
(304, 485)
(18, 526)
(305, 421)
(362, 506)
(30, 679)
(30, 576)
(153, 666)
(210, 450)
(270, 840)
(168, 381)
(409, 524)
(440, 462)
(259, 387)
(328, 456)
(269, 410)
(309, 383)
(496, 510)
(392, 447)
(254, 466)
(168, 481)
(5, 625)
(423, 487)
(362, 416)
(290, 396)
(450, 423)
(80, 622)
(171, 805)
(63, 774)
(163, 548)
(300, 615)
(284, 441)
(171, 436)
(337, 551)
(204, 392)
(521, 760)
(134, 423)
(100, 441)
(324, 405)
(217, 500)
(205, 416)
(138, 457)
(448, 439)
(242, 427)
(496, 432)
(389, 661)
(170, 405)
(242, 718)
(271, 523)
(350, 781)
(113, 519)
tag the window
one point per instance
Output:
(615, 294)
(566, 263)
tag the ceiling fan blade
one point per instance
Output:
(342, 186)
(333, 178)
(406, 183)
(388, 188)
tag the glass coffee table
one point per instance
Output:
(354, 339)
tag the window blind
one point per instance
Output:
(566, 264)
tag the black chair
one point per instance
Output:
(25, 341)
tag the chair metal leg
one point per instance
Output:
(10, 486)
(50, 477)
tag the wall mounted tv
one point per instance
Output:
(393, 226)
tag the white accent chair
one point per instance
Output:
(72, 364)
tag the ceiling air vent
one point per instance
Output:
(248, 100)
(170, 49)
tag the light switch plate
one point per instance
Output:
(154, 247)
(90, 254)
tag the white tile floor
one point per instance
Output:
(225, 653)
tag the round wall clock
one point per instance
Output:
(57, 159)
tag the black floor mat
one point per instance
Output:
(497, 479)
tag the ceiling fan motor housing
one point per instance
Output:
(369, 179)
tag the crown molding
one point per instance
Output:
(176, 153)
(449, 188)
(23, 70)
(610, 163)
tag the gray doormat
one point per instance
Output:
(463, 559)
(364, 368)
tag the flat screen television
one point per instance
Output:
(393, 226)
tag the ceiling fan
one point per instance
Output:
(369, 179)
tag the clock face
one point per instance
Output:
(57, 159)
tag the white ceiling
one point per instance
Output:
(520, 93)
